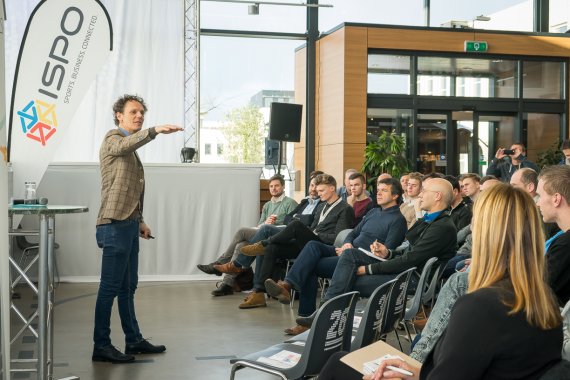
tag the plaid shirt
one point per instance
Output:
(122, 175)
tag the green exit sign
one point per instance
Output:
(476, 46)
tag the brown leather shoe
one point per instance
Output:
(280, 290)
(255, 299)
(255, 249)
(296, 330)
(229, 268)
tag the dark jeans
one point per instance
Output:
(285, 245)
(119, 278)
(450, 268)
(334, 369)
(315, 260)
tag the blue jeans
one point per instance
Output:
(454, 288)
(315, 260)
(119, 278)
(344, 275)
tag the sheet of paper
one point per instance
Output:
(371, 254)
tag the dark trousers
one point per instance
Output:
(119, 278)
(285, 245)
(334, 369)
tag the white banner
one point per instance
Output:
(65, 44)
(4, 263)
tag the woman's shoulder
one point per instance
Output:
(485, 302)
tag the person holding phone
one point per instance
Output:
(508, 161)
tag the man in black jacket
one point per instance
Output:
(460, 211)
(554, 205)
(333, 215)
(434, 235)
(503, 170)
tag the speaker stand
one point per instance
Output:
(279, 159)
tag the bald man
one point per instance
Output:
(434, 235)
(527, 180)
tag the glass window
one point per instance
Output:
(390, 120)
(432, 136)
(208, 149)
(542, 80)
(253, 77)
(220, 149)
(470, 77)
(388, 74)
(541, 131)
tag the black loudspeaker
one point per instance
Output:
(285, 122)
(271, 152)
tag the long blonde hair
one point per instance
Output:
(508, 243)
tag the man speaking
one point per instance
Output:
(119, 224)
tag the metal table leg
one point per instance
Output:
(43, 298)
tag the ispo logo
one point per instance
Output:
(38, 120)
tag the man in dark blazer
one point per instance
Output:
(120, 223)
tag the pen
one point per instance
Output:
(150, 237)
(400, 370)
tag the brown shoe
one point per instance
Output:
(255, 249)
(296, 330)
(280, 290)
(255, 299)
(229, 268)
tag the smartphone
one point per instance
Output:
(508, 151)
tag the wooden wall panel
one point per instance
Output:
(330, 90)
(300, 98)
(330, 160)
(355, 85)
(452, 41)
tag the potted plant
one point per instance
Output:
(385, 155)
(551, 156)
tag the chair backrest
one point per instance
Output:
(339, 240)
(397, 302)
(330, 332)
(560, 371)
(372, 317)
(429, 294)
(415, 306)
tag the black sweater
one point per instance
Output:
(483, 342)
(558, 266)
(434, 239)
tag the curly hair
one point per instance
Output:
(119, 105)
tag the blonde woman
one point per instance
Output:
(508, 325)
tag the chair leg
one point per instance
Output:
(408, 332)
(398, 338)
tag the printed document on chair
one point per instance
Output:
(282, 359)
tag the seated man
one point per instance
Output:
(527, 180)
(333, 215)
(410, 208)
(385, 224)
(460, 211)
(358, 198)
(434, 235)
(273, 213)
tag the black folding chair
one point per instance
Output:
(331, 332)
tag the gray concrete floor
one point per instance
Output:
(201, 332)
